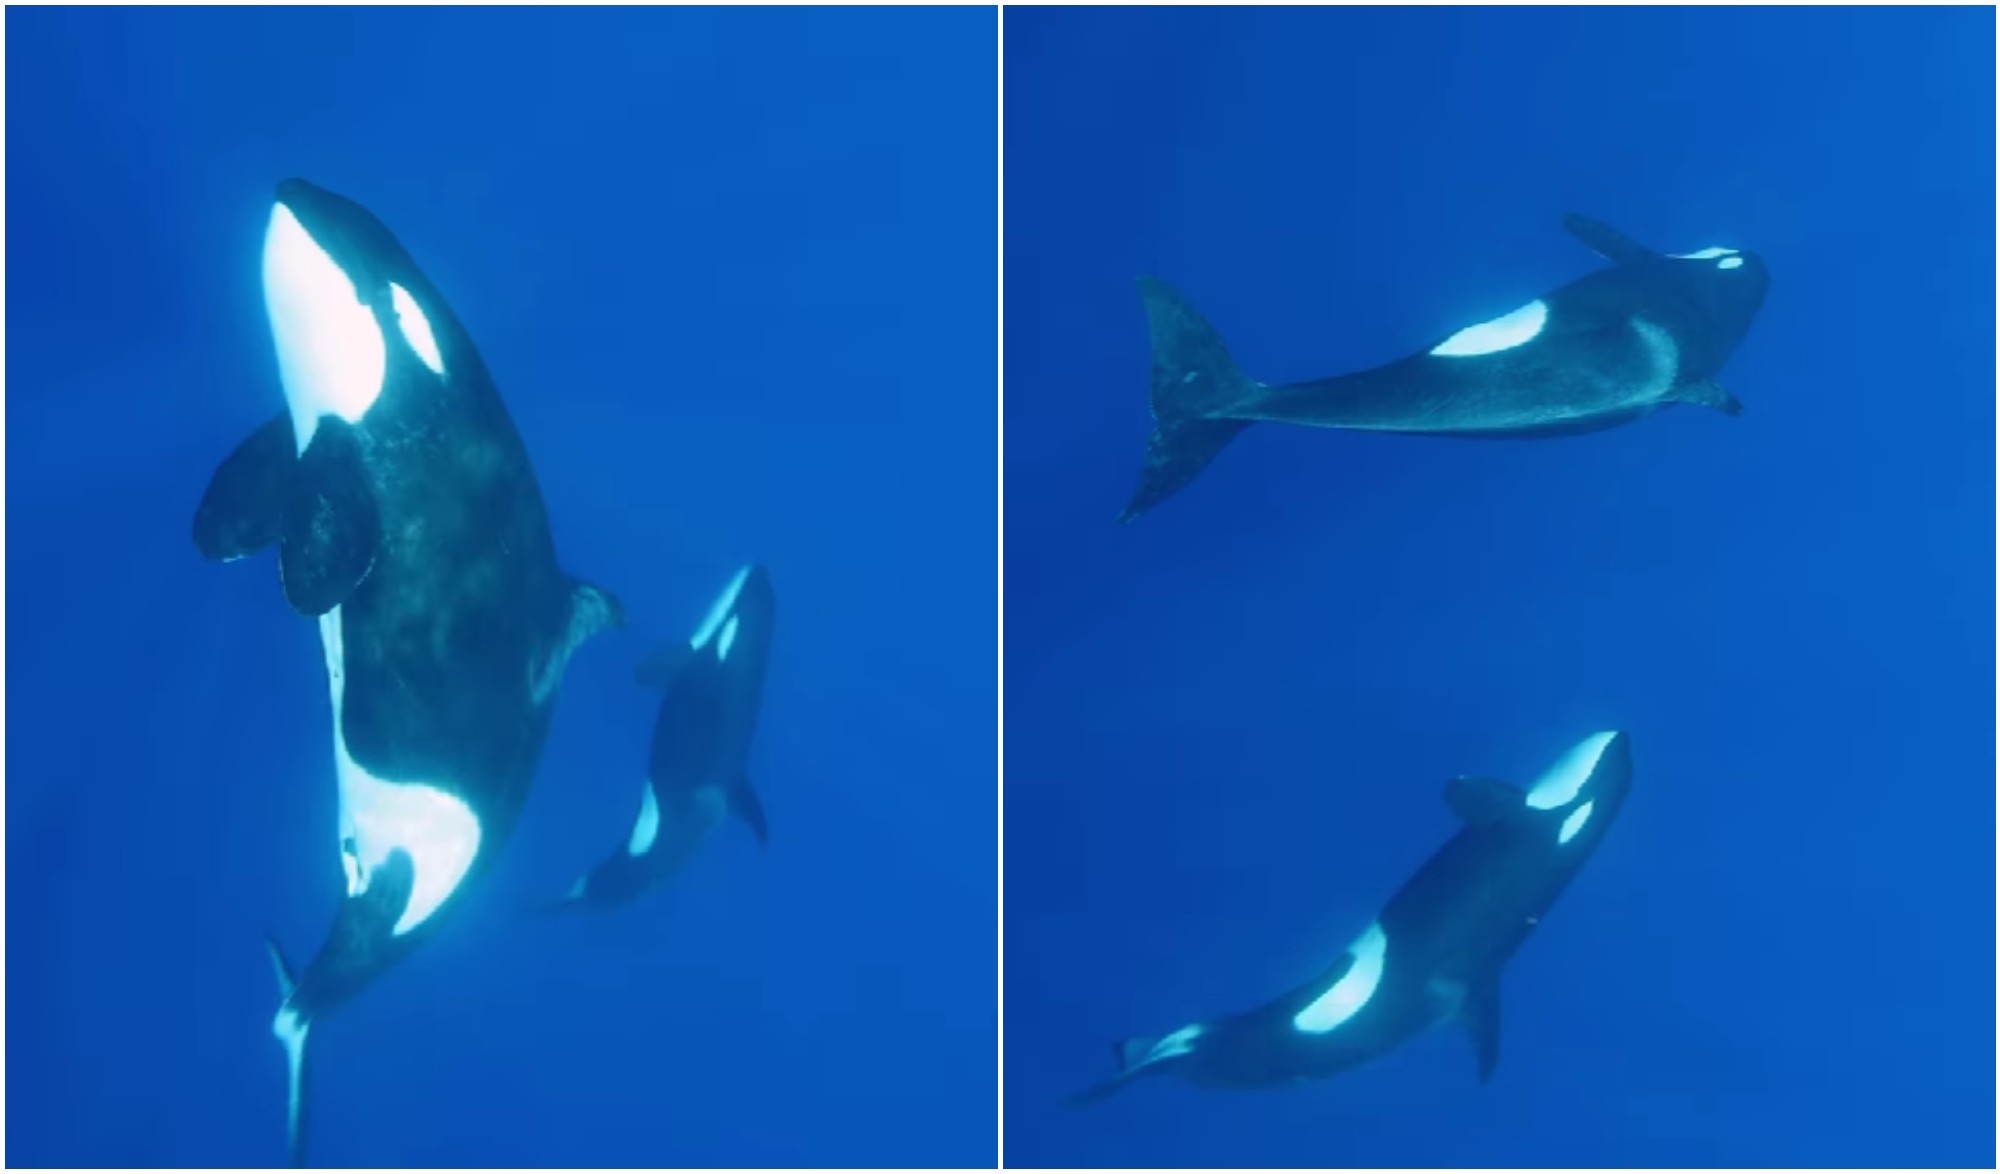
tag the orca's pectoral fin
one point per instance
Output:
(243, 509)
(744, 804)
(1609, 243)
(1709, 394)
(331, 529)
(593, 610)
(660, 669)
(1481, 1016)
(1482, 800)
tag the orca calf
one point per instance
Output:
(1435, 952)
(1604, 350)
(711, 687)
(409, 524)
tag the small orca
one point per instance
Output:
(1602, 351)
(409, 524)
(1435, 952)
(707, 718)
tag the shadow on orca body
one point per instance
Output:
(1435, 952)
(409, 525)
(711, 690)
(1604, 350)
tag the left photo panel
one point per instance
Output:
(502, 518)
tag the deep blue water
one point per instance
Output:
(1228, 724)
(733, 272)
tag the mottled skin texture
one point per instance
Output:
(1451, 929)
(1618, 344)
(457, 635)
(702, 734)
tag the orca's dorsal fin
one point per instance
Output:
(1609, 243)
(1482, 800)
(1481, 1016)
(744, 804)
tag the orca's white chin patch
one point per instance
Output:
(331, 355)
(1573, 823)
(1503, 333)
(1351, 992)
(434, 827)
(724, 604)
(1566, 778)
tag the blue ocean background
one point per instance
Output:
(1228, 725)
(733, 271)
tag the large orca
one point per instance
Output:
(409, 523)
(1435, 952)
(1604, 350)
(698, 771)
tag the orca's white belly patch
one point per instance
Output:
(377, 816)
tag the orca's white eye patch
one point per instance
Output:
(416, 328)
(1351, 992)
(1500, 334)
(1575, 821)
(648, 827)
(331, 356)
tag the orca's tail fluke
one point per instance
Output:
(291, 1027)
(1133, 1055)
(1194, 383)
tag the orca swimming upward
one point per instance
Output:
(1601, 351)
(409, 524)
(707, 719)
(1435, 952)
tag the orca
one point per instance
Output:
(1603, 350)
(712, 687)
(409, 525)
(1434, 953)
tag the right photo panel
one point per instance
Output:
(1499, 587)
